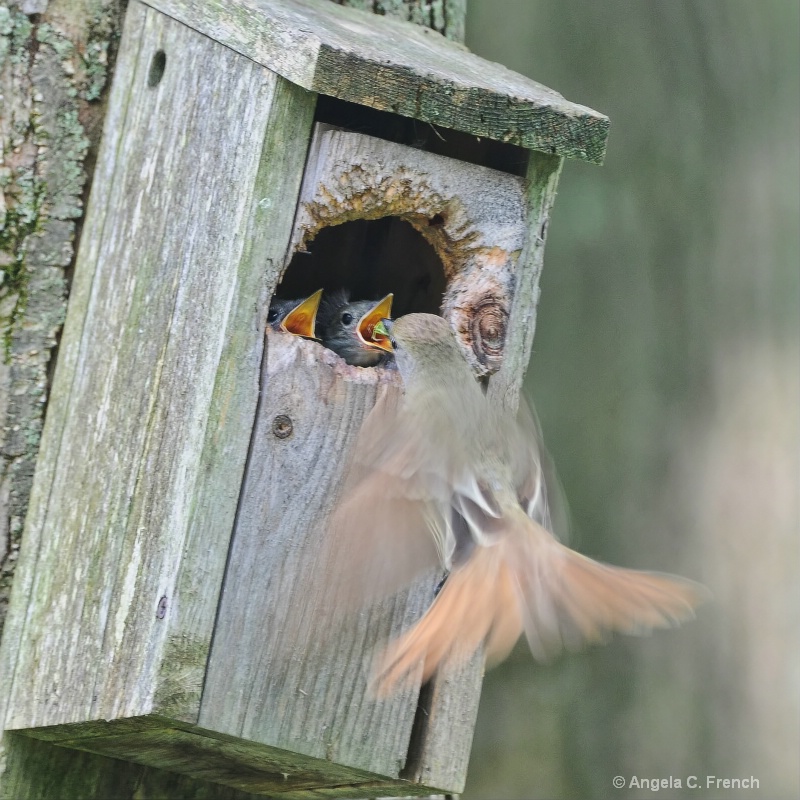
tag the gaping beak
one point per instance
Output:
(367, 325)
(300, 320)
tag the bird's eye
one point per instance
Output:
(272, 315)
(347, 318)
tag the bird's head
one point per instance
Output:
(422, 342)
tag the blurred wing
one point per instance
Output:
(392, 523)
(539, 489)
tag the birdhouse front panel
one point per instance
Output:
(265, 681)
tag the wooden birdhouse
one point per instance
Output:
(189, 460)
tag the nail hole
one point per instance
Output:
(282, 426)
(161, 608)
(436, 221)
(157, 66)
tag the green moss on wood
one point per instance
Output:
(16, 29)
(181, 678)
(43, 78)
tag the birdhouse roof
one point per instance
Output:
(398, 67)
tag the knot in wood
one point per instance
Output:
(488, 327)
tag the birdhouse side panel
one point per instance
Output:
(541, 182)
(139, 473)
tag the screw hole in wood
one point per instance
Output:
(282, 426)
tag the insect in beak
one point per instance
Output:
(370, 328)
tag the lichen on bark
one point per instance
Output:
(445, 16)
(53, 68)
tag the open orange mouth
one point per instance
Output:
(301, 319)
(366, 325)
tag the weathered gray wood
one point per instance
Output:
(314, 703)
(542, 183)
(226, 398)
(156, 385)
(398, 67)
(443, 751)
(261, 684)
(276, 184)
(183, 430)
(57, 407)
(220, 759)
(37, 770)
(474, 218)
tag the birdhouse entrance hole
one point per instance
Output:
(370, 258)
(470, 223)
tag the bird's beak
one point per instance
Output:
(371, 330)
(300, 320)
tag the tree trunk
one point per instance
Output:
(445, 16)
(53, 73)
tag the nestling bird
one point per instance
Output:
(295, 316)
(444, 476)
(347, 328)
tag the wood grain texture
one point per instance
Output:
(157, 383)
(399, 67)
(59, 402)
(265, 681)
(38, 770)
(53, 74)
(213, 758)
(151, 418)
(542, 184)
(451, 715)
(262, 684)
(475, 218)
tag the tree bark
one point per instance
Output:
(445, 16)
(54, 66)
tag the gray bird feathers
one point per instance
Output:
(347, 327)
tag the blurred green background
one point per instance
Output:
(666, 373)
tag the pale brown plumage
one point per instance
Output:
(444, 476)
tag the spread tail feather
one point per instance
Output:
(528, 581)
